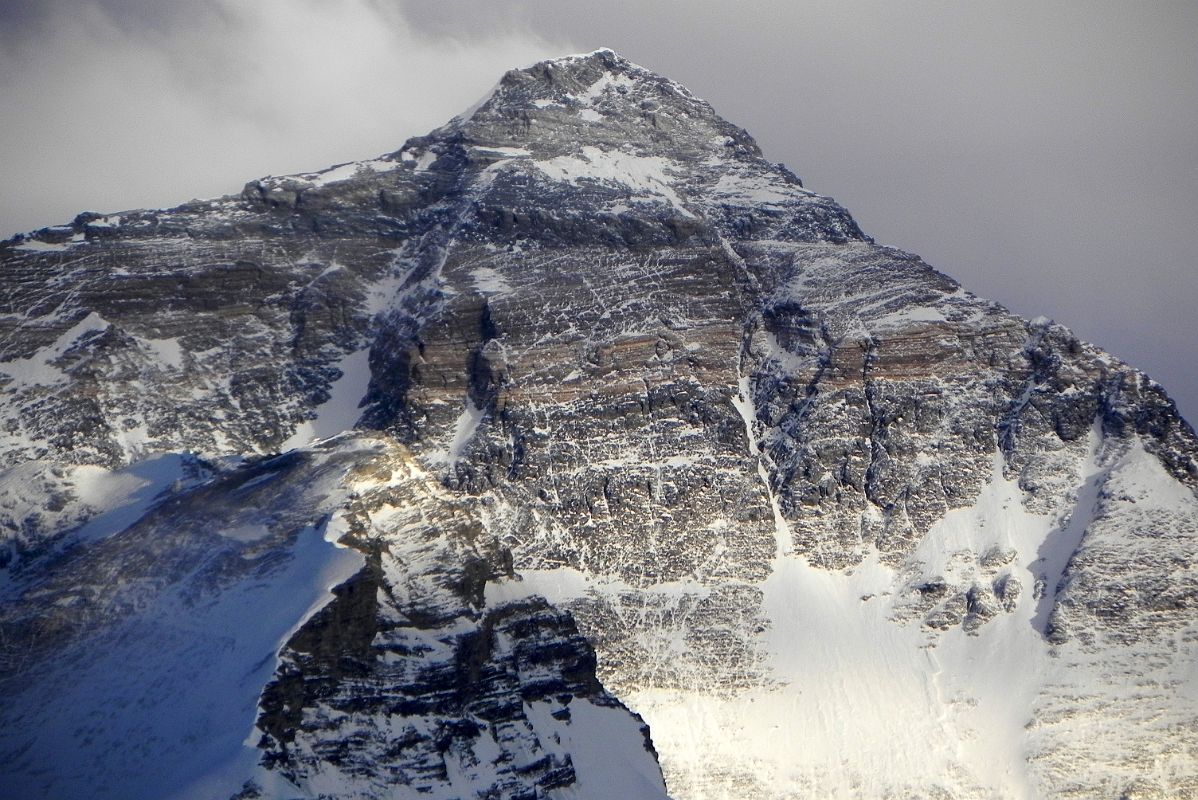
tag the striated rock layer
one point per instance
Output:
(643, 418)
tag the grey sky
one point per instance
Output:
(1044, 154)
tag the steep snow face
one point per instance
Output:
(858, 700)
(163, 625)
(193, 672)
(247, 581)
(832, 525)
(860, 703)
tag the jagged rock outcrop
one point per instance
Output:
(833, 525)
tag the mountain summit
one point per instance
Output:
(609, 137)
(572, 450)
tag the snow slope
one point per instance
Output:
(193, 670)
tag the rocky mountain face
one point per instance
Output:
(591, 418)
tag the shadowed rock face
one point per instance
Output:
(649, 372)
(409, 677)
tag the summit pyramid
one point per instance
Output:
(572, 450)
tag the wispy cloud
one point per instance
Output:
(110, 104)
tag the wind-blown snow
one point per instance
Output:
(92, 503)
(123, 496)
(469, 113)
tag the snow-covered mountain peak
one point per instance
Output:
(601, 100)
(563, 140)
(635, 417)
(602, 81)
(596, 134)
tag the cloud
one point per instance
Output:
(112, 104)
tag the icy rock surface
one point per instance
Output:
(833, 525)
(312, 625)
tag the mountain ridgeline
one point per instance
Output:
(573, 450)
